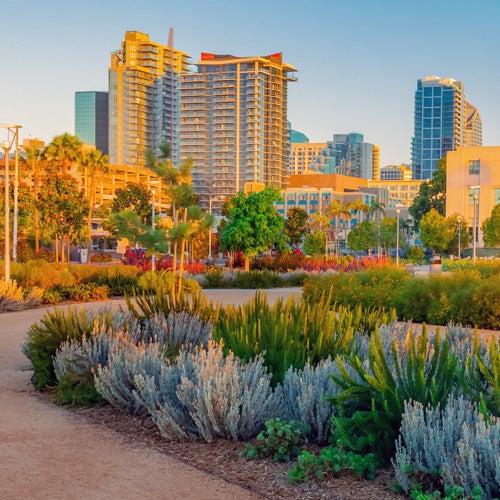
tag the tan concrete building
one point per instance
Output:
(303, 154)
(473, 184)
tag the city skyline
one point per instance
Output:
(358, 63)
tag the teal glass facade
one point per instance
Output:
(439, 123)
(91, 119)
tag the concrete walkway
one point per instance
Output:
(48, 452)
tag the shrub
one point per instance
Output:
(116, 380)
(173, 331)
(81, 292)
(373, 288)
(374, 390)
(304, 397)
(210, 395)
(42, 274)
(146, 306)
(257, 279)
(45, 337)
(280, 440)
(331, 460)
(415, 254)
(101, 257)
(120, 279)
(289, 333)
(440, 448)
(14, 298)
(157, 281)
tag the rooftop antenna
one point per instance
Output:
(170, 38)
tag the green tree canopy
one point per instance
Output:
(432, 194)
(62, 207)
(315, 243)
(491, 228)
(254, 224)
(296, 225)
(435, 231)
(136, 198)
(363, 237)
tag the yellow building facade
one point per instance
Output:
(473, 184)
(143, 98)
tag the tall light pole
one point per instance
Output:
(459, 220)
(6, 261)
(153, 256)
(474, 232)
(398, 211)
(6, 145)
(210, 199)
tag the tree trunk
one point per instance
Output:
(89, 221)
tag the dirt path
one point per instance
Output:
(48, 452)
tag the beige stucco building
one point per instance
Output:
(473, 184)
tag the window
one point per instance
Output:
(473, 167)
(496, 196)
(473, 193)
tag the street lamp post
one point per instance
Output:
(474, 232)
(6, 149)
(459, 219)
(398, 211)
(153, 256)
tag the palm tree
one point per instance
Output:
(63, 152)
(359, 208)
(181, 194)
(337, 210)
(94, 163)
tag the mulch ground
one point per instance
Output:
(221, 458)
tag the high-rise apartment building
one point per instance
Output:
(348, 154)
(473, 126)
(233, 123)
(439, 123)
(91, 119)
(303, 155)
(143, 98)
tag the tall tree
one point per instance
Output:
(491, 228)
(94, 163)
(432, 194)
(133, 197)
(359, 208)
(337, 211)
(435, 233)
(296, 225)
(363, 237)
(62, 209)
(181, 195)
(63, 153)
(254, 224)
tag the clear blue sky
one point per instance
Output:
(358, 60)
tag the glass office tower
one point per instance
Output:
(91, 119)
(439, 123)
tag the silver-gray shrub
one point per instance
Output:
(457, 441)
(80, 357)
(116, 381)
(304, 397)
(173, 331)
(224, 397)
